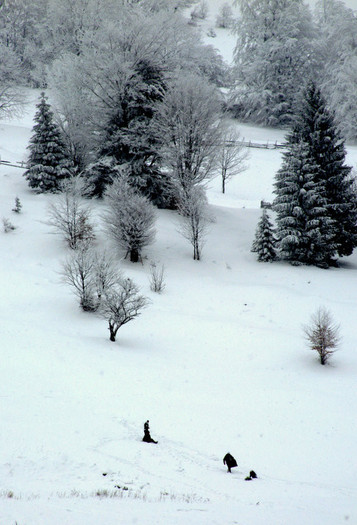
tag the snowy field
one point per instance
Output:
(217, 363)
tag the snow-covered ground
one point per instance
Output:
(217, 363)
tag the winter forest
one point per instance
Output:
(188, 166)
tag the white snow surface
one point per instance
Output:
(217, 363)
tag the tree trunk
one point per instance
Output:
(113, 332)
(196, 252)
(134, 255)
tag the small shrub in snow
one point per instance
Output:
(322, 334)
(211, 33)
(157, 278)
(18, 206)
(121, 305)
(7, 225)
(69, 214)
(200, 11)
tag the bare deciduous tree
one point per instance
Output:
(121, 305)
(189, 127)
(79, 272)
(231, 156)
(91, 274)
(107, 273)
(322, 334)
(193, 208)
(157, 277)
(70, 215)
(12, 97)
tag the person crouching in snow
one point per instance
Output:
(229, 461)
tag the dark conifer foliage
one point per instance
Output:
(305, 229)
(264, 242)
(130, 138)
(315, 126)
(101, 174)
(48, 162)
(315, 204)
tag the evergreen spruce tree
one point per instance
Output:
(304, 228)
(130, 138)
(48, 162)
(101, 174)
(264, 242)
(315, 126)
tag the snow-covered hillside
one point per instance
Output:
(217, 363)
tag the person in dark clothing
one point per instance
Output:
(147, 437)
(229, 461)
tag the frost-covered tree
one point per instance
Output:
(79, 272)
(72, 21)
(264, 243)
(121, 305)
(187, 121)
(108, 93)
(200, 11)
(323, 334)
(336, 48)
(48, 163)
(316, 128)
(69, 214)
(225, 16)
(91, 274)
(343, 96)
(23, 32)
(130, 218)
(273, 53)
(11, 94)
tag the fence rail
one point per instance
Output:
(248, 144)
(20, 164)
(262, 145)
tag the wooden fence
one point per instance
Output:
(262, 145)
(248, 144)
(21, 164)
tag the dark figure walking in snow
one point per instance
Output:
(229, 461)
(147, 437)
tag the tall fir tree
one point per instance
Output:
(316, 128)
(48, 162)
(304, 227)
(264, 242)
(130, 138)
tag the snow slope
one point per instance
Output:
(217, 362)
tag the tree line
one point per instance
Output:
(139, 113)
